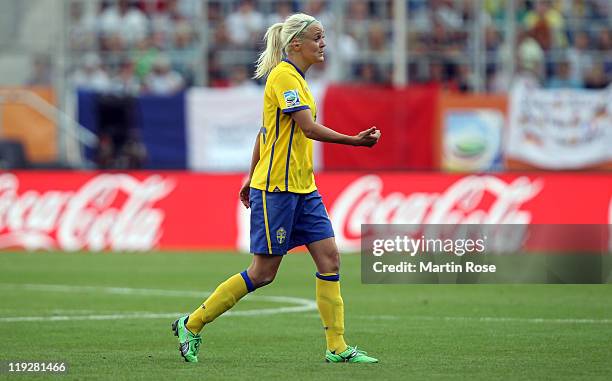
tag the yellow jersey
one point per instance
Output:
(285, 153)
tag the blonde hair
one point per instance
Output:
(277, 38)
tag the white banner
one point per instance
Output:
(222, 125)
(560, 129)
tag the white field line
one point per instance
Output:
(145, 292)
(147, 315)
(501, 319)
(102, 290)
(170, 315)
(300, 304)
(483, 319)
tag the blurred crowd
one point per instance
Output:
(132, 47)
(162, 46)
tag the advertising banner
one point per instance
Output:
(471, 129)
(560, 129)
(143, 211)
(115, 211)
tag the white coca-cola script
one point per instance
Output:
(363, 202)
(110, 211)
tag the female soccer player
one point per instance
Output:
(286, 208)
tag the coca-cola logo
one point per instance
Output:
(110, 211)
(363, 202)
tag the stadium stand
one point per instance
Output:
(572, 36)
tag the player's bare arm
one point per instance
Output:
(317, 131)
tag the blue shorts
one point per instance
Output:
(281, 221)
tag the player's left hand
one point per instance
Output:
(244, 194)
(367, 138)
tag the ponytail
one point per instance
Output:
(277, 38)
(273, 54)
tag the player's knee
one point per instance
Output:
(335, 263)
(261, 279)
(332, 262)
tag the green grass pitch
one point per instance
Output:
(81, 308)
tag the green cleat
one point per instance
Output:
(189, 343)
(351, 354)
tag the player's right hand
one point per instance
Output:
(244, 194)
(368, 138)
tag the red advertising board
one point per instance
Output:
(141, 211)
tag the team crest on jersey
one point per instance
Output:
(292, 98)
(281, 235)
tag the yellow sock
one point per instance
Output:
(331, 309)
(222, 299)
